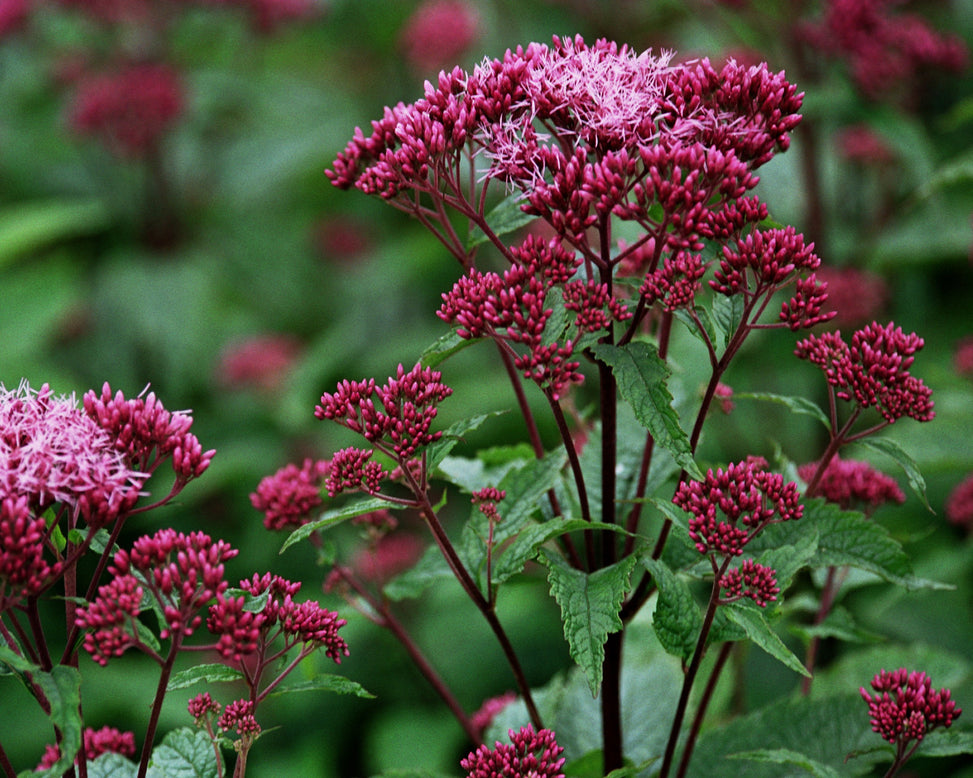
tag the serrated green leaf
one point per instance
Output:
(893, 450)
(335, 684)
(112, 765)
(795, 404)
(210, 673)
(589, 609)
(641, 375)
(15, 661)
(559, 318)
(788, 560)
(504, 218)
(760, 632)
(336, 516)
(727, 314)
(787, 756)
(703, 315)
(846, 538)
(444, 347)
(946, 742)
(676, 619)
(184, 753)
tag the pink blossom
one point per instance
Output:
(905, 707)
(239, 716)
(529, 755)
(750, 579)
(287, 497)
(490, 709)
(963, 357)
(854, 296)
(96, 742)
(387, 557)
(859, 143)
(203, 705)
(269, 15)
(23, 570)
(261, 362)
(109, 619)
(438, 33)
(129, 110)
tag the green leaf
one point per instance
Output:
(560, 316)
(184, 753)
(506, 217)
(788, 560)
(727, 314)
(642, 376)
(798, 405)
(946, 742)
(335, 684)
(589, 609)
(444, 347)
(787, 756)
(760, 632)
(453, 435)
(847, 538)
(210, 673)
(840, 624)
(893, 450)
(112, 765)
(335, 516)
(33, 226)
(676, 619)
(62, 688)
(15, 661)
(431, 568)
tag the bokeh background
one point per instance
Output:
(165, 221)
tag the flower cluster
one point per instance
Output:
(438, 33)
(750, 499)
(96, 742)
(51, 452)
(241, 630)
(399, 422)
(148, 434)
(533, 754)
(239, 716)
(855, 296)
(109, 619)
(287, 497)
(884, 50)
(261, 362)
(872, 370)
(905, 707)
(23, 570)
(853, 484)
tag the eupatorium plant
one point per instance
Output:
(634, 176)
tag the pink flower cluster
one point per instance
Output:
(514, 310)
(438, 33)
(749, 499)
(397, 418)
(96, 742)
(905, 707)
(529, 755)
(287, 497)
(51, 452)
(23, 570)
(885, 50)
(872, 370)
(853, 484)
(237, 715)
(242, 631)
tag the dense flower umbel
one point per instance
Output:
(873, 370)
(751, 579)
(238, 716)
(50, 452)
(287, 497)
(529, 755)
(438, 33)
(905, 707)
(746, 495)
(853, 484)
(23, 570)
(403, 415)
(109, 619)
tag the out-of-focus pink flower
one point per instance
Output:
(96, 742)
(724, 395)
(268, 15)
(392, 554)
(438, 33)
(963, 357)
(343, 238)
(130, 110)
(853, 484)
(861, 144)
(959, 506)
(13, 16)
(855, 296)
(261, 362)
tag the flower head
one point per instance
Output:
(109, 619)
(438, 33)
(239, 716)
(853, 484)
(96, 742)
(750, 579)
(748, 497)
(203, 705)
(905, 707)
(23, 570)
(529, 755)
(490, 709)
(872, 370)
(287, 497)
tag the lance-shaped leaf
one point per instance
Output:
(431, 568)
(892, 449)
(335, 516)
(210, 673)
(789, 757)
(184, 753)
(505, 217)
(590, 603)
(642, 375)
(336, 684)
(453, 435)
(727, 314)
(444, 347)
(760, 632)
(794, 404)
(676, 619)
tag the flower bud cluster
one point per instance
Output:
(96, 742)
(287, 497)
(905, 707)
(528, 754)
(872, 370)
(853, 484)
(23, 570)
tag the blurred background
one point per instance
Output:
(165, 221)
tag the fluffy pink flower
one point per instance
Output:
(859, 143)
(130, 110)
(390, 555)
(438, 33)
